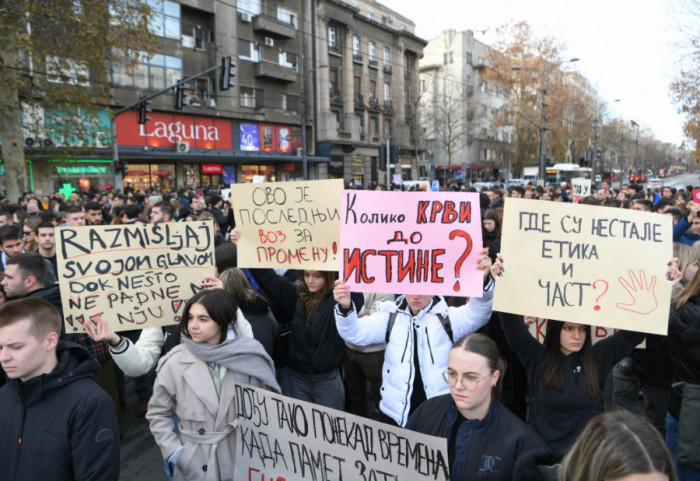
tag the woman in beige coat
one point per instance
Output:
(195, 383)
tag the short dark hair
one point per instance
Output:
(225, 256)
(29, 265)
(214, 199)
(165, 208)
(221, 306)
(43, 316)
(9, 232)
(663, 203)
(7, 214)
(43, 225)
(132, 211)
(73, 209)
(93, 205)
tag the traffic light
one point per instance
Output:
(393, 155)
(119, 167)
(143, 112)
(227, 73)
(180, 95)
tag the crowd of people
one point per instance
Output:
(508, 406)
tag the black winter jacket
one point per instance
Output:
(684, 348)
(315, 347)
(559, 415)
(59, 426)
(484, 449)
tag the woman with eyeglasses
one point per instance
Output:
(484, 439)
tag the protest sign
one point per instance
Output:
(580, 188)
(696, 196)
(411, 242)
(293, 225)
(538, 329)
(586, 264)
(280, 438)
(134, 276)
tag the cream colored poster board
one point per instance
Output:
(594, 265)
(292, 225)
(280, 438)
(134, 276)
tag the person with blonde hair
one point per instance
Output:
(618, 446)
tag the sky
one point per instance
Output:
(628, 49)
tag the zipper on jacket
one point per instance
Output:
(430, 349)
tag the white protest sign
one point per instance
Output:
(587, 264)
(293, 225)
(280, 438)
(134, 276)
(580, 188)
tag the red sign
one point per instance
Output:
(166, 130)
(212, 169)
(288, 167)
(696, 196)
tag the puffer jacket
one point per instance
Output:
(423, 329)
(684, 349)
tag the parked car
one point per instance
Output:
(655, 183)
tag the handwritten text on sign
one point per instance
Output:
(284, 439)
(581, 188)
(293, 225)
(134, 276)
(411, 242)
(587, 264)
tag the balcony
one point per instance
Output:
(357, 58)
(335, 50)
(273, 27)
(373, 64)
(387, 68)
(274, 71)
(387, 104)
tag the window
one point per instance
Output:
(387, 54)
(248, 51)
(370, 14)
(387, 92)
(67, 71)
(336, 114)
(156, 72)
(248, 97)
(333, 86)
(357, 86)
(387, 128)
(331, 37)
(406, 68)
(165, 18)
(290, 103)
(356, 46)
(287, 16)
(374, 126)
(371, 52)
(252, 7)
(288, 59)
(422, 86)
(373, 91)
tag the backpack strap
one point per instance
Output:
(390, 326)
(447, 326)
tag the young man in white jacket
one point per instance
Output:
(418, 340)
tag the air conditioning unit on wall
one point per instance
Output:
(246, 17)
(269, 42)
(182, 147)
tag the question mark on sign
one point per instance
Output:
(597, 307)
(467, 250)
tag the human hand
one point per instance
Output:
(674, 274)
(497, 268)
(341, 294)
(211, 282)
(642, 293)
(529, 320)
(99, 331)
(483, 262)
(235, 235)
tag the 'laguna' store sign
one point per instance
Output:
(165, 130)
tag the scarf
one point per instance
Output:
(239, 354)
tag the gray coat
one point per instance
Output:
(184, 387)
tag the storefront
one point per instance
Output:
(81, 175)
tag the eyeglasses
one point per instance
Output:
(467, 383)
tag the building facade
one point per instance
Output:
(459, 108)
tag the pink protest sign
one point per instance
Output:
(411, 242)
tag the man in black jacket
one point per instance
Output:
(55, 422)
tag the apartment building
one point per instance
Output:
(459, 107)
(364, 66)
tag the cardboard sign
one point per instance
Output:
(280, 438)
(134, 276)
(586, 264)
(538, 329)
(293, 225)
(411, 242)
(580, 188)
(696, 196)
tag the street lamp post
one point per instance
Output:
(304, 142)
(543, 115)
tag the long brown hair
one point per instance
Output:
(311, 301)
(552, 375)
(690, 290)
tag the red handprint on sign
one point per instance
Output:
(642, 293)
